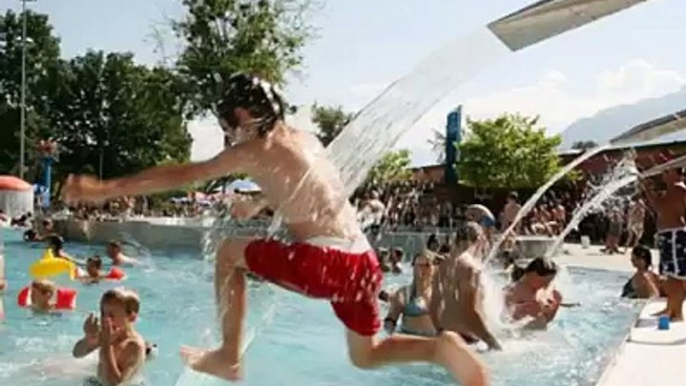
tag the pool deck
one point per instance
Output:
(648, 356)
(591, 257)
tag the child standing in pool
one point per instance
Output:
(329, 258)
(122, 349)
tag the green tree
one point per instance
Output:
(511, 151)
(330, 121)
(42, 60)
(222, 37)
(584, 145)
(393, 166)
(114, 117)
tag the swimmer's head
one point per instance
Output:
(513, 197)
(94, 265)
(397, 255)
(55, 242)
(113, 248)
(41, 292)
(424, 263)
(30, 235)
(540, 272)
(641, 258)
(465, 236)
(432, 243)
(121, 306)
(249, 107)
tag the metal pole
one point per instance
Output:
(22, 133)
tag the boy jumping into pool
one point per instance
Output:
(329, 257)
(122, 349)
(670, 209)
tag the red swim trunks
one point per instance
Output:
(351, 281)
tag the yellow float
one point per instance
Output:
(51, 266)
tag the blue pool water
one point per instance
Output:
(303, 344)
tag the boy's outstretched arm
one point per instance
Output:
(158, 179)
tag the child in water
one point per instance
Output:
(93, 272)
(42, 292)
(122, 349)
(532, 295)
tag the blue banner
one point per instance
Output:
(453, 136)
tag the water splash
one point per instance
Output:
(529, 205)
(623, 174)
(377, 128)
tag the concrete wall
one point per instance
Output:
(189, 233)
(16, 203)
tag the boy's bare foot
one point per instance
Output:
(664, 312)
(213, 362)
(453, 353)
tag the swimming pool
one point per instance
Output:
(303, 344)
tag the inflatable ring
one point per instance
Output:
(65, 298)
(51, 266)
(116, 274)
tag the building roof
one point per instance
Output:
(14, 184)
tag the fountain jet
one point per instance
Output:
(653, 129)
(548, 18)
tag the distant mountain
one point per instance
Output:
(614, 121)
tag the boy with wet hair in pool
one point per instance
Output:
(329, 256)
(532, 295)
(42, 292)
(93, 272)
(122, 348)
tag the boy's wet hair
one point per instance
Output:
(126, 298)
(517, 273)
(44, 285)
(96, 260)
(262, 100)
(468, 232)
(114, 244)
(430, 255)
(542, 267)
(643, 253)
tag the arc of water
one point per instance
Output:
(595, 202)
(608, 192)
(537, 196)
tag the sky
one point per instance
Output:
(362, 46)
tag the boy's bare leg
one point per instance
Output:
(675, 291)
(447, 350)
(230, 288)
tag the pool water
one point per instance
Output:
(301, 344)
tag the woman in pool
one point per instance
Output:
(412, 301)
(645, 284)
(532, 295)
